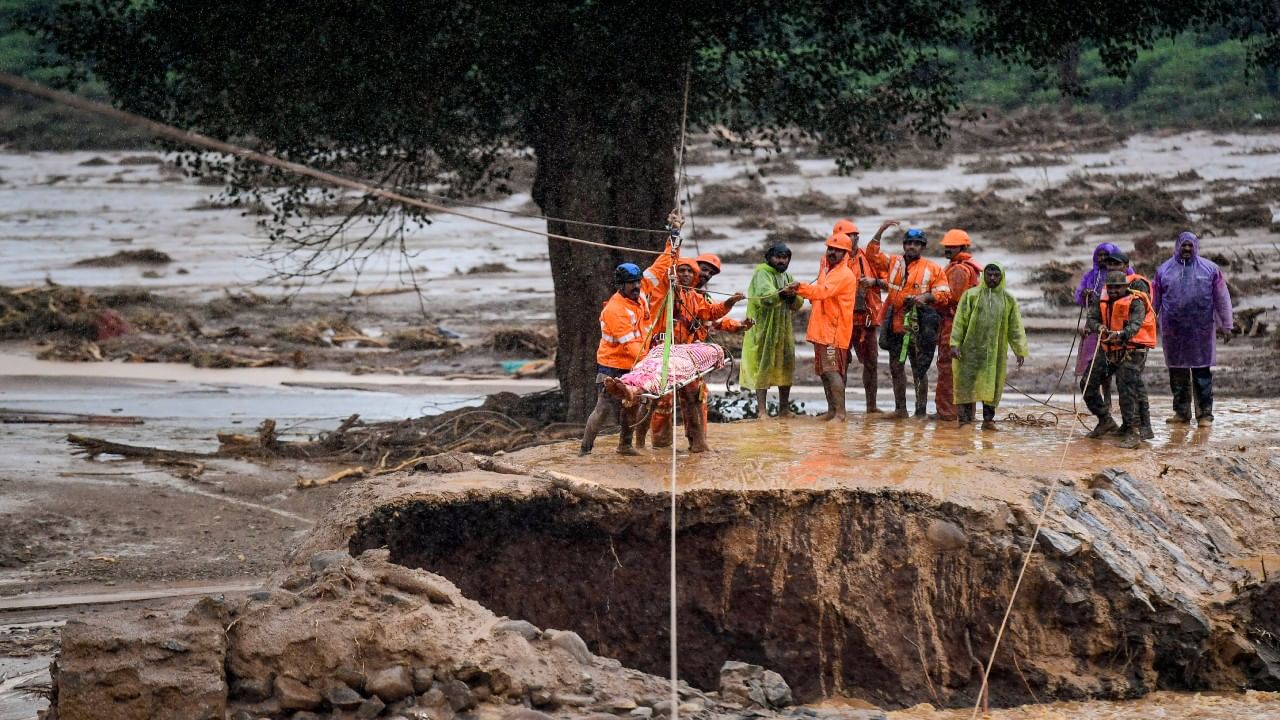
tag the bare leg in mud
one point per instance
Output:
(784, 402)
(834, 385)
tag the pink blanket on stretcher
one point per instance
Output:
(688, 362)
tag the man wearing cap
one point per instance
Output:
(1126, 330)
(1192, 301)
(963, 272)
(916, 288)
(626, 316)
(1138, 283)
(831, 320)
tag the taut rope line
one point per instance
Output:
(192, 138)
(1031, 549)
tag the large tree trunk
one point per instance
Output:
(615, 167)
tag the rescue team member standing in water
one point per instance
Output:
(916, 287)
(626, 317)
(831, 321)
(867, 305)
(963, 272)
(1191, 300)
(692, 315)
(769, 347)
(1126, 329)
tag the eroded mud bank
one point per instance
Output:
(886, 595)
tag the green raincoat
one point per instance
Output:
(769, 348)
(987, 321)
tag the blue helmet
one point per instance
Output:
(915, 235)
(626, 272)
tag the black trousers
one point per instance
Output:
(965, 411)
(1188, 383)
(1127, 369)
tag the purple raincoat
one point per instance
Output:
(1090, 287)
(1191, 302)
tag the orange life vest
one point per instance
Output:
(1116, 313)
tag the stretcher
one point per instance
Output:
(689, 363)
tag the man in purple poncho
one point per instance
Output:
(1192, 302)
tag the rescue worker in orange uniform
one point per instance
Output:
(866, 308)
(626, 316)
(709, 267)
(691, 317)
(1126, 325)
(916, 288)
(963, 272)
(831, 321)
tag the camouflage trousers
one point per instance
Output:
(1127, 368)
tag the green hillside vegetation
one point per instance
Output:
(1192, 81)
(30, 124)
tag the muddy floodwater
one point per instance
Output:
(79, 536)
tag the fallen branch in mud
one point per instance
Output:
(93, 447)
(189, 464)
(581, 487)
(23, 417)
(504, 423)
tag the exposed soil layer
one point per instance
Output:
(842, 592)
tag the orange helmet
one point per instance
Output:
(691, 264)
(708, 258)
(956, 237)
(844, 226)
(840, 241)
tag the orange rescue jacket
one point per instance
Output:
(862, 265)
(833, 296)
(920, 277)
(624, 322)
(692, 315)
(1116, 314)
(962, 273)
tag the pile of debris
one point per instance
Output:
(505, 422)
(1057, 280)
(1017, 226)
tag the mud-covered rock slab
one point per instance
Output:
(146, 664)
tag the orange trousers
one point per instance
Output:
(944, 395)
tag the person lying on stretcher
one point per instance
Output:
(644, 382)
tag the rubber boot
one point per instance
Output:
(695, 428)
(922, 396)
(899, 394)
(1105, 425)
(642, 431)
(869, 383)
(831, 401)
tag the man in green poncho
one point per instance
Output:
(987, 322)
(769, 347)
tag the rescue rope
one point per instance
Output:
(533, 216)
(667, 340)
(1026, 560)
(196, 139)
